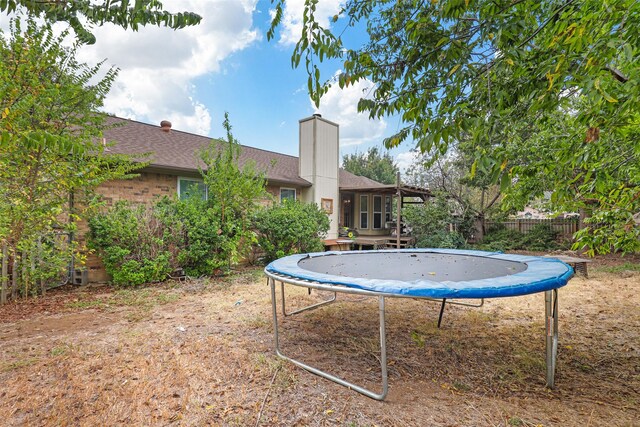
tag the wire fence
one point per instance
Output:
(46, 264)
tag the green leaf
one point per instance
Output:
(505, 182)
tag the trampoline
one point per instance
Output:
(433, 274)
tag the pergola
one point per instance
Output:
(400, 191)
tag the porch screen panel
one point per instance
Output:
(364, 211)
(377, 212)
(387, 209)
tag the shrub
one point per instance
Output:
(201, 237)
(430, 224)
(290, 227)
(540, 238)
(442, 239)
(193, 232)
(131, 241)
(501, 239)
(142, 244)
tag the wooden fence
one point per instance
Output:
(565, 227)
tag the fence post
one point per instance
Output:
(14, 276)
(5, 274)
(32, 272)
(43, 288)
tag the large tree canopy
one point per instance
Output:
(546, 93)
(83, 14)
(372, 164)
(50, 137)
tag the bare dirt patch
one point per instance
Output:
(201, 353)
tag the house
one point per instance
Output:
(315, 176)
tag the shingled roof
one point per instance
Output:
(177, 151)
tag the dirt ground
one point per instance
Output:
(201, 353)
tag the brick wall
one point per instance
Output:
(144, 189)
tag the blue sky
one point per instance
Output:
(192, 76)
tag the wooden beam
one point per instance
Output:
(399, 210)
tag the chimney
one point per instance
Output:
(165, 126)
(318, 163)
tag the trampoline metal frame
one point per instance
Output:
(551, 327)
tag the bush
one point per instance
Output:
(442, 239)
(193, 232)
(501, 239)
(541, 238)
(289, 228)
(142, 244)
(201, 237)
(131, 242)
(430, 224)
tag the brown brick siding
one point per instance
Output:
(145, 189)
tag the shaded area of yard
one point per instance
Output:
(200, 352)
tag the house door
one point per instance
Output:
(346, 209)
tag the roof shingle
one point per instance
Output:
(180, 152)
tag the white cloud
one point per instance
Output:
(291, 26)
(158, 65)
(406, 159)
(341, 106)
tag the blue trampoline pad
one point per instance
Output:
(429, 273)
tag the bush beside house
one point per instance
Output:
(290, 228)
(141, 244)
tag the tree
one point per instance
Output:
(371, 164)
(495, 75)
(235, 192)
(448, 177)
(50, 136)
(123, 13)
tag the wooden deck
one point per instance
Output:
(367, 242)
(382, 242)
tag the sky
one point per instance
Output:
(192, 76)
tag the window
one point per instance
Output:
(377, 212)
(190, 187)
(387, 209)
(364, 211)
(287, 194)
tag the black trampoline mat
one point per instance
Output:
(412, 266)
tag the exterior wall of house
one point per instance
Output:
(274, 190)
(144, 189)
(319, 164)
(369, 230)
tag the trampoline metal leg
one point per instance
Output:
(551, 322)
(383, 351)
(309, 307)
(444, 301)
